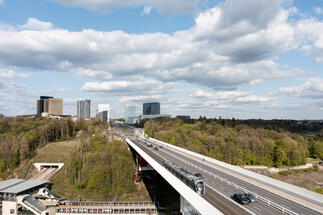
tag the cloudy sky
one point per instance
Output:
(228, 58)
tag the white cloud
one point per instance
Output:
(243, 32)
(37, 25)
(229, 96)
(312, 88)
(8, 74)
(146, 10)
(163, 6)
(1, 2)
(139, 99)
(144, 86)
(318, 10)
(231, 46)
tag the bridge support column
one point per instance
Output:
(186, 208)
(142, 166)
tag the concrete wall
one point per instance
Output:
(9, 208)
(39, 165)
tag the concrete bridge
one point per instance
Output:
(222, 180)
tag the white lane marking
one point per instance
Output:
(259, 209)
(247, 210)
(286, 207)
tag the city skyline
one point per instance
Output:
(242, 59)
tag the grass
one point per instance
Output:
(60, 152)
(310, 179)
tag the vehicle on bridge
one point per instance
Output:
(241, 198)
(193, 181)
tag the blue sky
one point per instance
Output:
(242, 59)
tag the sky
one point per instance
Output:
(215, 58)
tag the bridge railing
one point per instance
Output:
(116, 204)
(260, 198)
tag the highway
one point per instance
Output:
(218, 193)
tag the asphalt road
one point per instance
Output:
(215, 186)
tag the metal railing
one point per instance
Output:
(116, 204)
(268, 202)
(105, 210)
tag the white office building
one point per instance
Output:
(130, 114)
(84, 108)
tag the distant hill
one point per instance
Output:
(244, 142)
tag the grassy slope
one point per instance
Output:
(61, 152)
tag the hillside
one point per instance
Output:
(21, 137)
(95, 176)
(249, 142)
(98, 165)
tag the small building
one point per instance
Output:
(18, 197)
(148, 117)
(183, 117)
(15, 187)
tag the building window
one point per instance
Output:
(12, 211)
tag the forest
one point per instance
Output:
(101, 168)
(21, 136)
(243, 142)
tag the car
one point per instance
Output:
(251, 197)
(240, 198)
(156, 148)
(198, 175)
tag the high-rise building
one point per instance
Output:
(84, 108)
(104, 112)
(49, 105)
(55, 106)
(130, 114)
(152, 108)
(42, 105)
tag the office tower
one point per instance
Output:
(152, 108)
(54, 106)
(42, 105)
(104, 112)
(84, 108)
(130, 114)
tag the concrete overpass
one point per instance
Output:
(223, 180)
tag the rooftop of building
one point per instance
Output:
(16, 186)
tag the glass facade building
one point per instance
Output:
(152, 108)
(130, 114)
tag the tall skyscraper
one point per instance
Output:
(104, 112)
(84, 108)
(130, 114)
(42, 105)
(152, 108)
(49, 105)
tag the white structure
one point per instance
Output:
(195, 200)
(84, 108)
(143, 117)
(130, 114)
(104, 112)
(41, 166)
